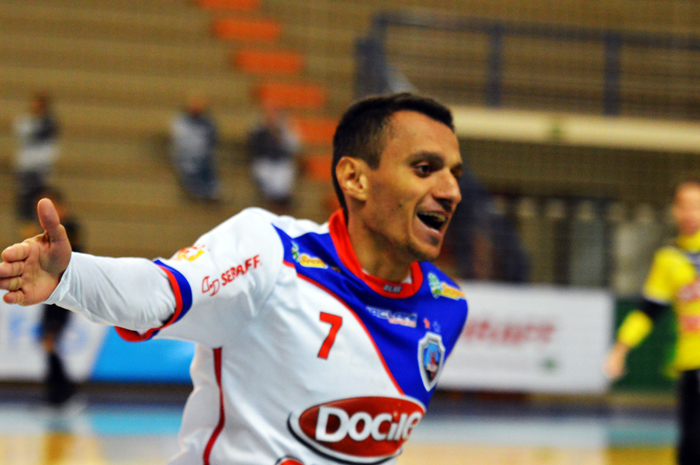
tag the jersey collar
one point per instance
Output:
(690, 243)
(339, 234)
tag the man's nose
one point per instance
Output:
(447, 191)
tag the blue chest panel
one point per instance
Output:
(403, 329)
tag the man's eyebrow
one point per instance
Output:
(435, 159)
(432, 157)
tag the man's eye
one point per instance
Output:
(423, 170)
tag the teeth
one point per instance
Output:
(433, 220)
(435, 216)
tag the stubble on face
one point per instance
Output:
(398, 193)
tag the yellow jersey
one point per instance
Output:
(673, 281)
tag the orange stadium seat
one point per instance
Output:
(292, 95)
(247, 29)
(317, 166)
(268, 61)
(316, 130)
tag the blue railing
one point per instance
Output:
(375, 74)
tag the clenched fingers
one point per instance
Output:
(11, 284)
(16, 252)
(11, 269)
(15, 297)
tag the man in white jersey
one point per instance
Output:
(316, 344)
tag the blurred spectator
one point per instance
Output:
(485, 243)
(193, 144)
(273, 146)
(37, 140)
(672, 285)
(59, 387)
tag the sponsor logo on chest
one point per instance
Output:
(395, 318)
(689, 324)
(363, 430)
(690, 293)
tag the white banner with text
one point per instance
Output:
(532, 339)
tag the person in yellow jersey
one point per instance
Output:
(673, 282)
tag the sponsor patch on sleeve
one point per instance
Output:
(442, 289)
(190, 253)
(305, 259)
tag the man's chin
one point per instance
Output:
(425, 254)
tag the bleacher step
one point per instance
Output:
(292, 95)
(256, 61)
(179, 27)
(229, 5)
(246, 29)
(128, 122)
(111, 88)
(316, 130)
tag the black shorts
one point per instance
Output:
(53, 321)
(689, 416)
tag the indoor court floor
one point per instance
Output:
(140, 434)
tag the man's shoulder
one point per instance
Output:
(669, 256)
(429, 267)
(255, 219)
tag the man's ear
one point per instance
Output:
(352, 178)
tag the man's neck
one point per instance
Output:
(375, 253)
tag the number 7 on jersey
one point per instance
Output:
(336, 322)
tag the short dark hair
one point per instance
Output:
(685, 181)
(362, 129)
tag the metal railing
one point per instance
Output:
(375, 73)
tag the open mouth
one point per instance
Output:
(433, 220)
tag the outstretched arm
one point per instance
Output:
(635, 327)
(31, 270)
(129, 292)
(616, 361)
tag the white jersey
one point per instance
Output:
(301, 357)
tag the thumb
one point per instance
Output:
(50, 222)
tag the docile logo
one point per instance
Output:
(359, 429)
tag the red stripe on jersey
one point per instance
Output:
(133, 336)
(339, 234)
(222, 417)
(381, 357)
